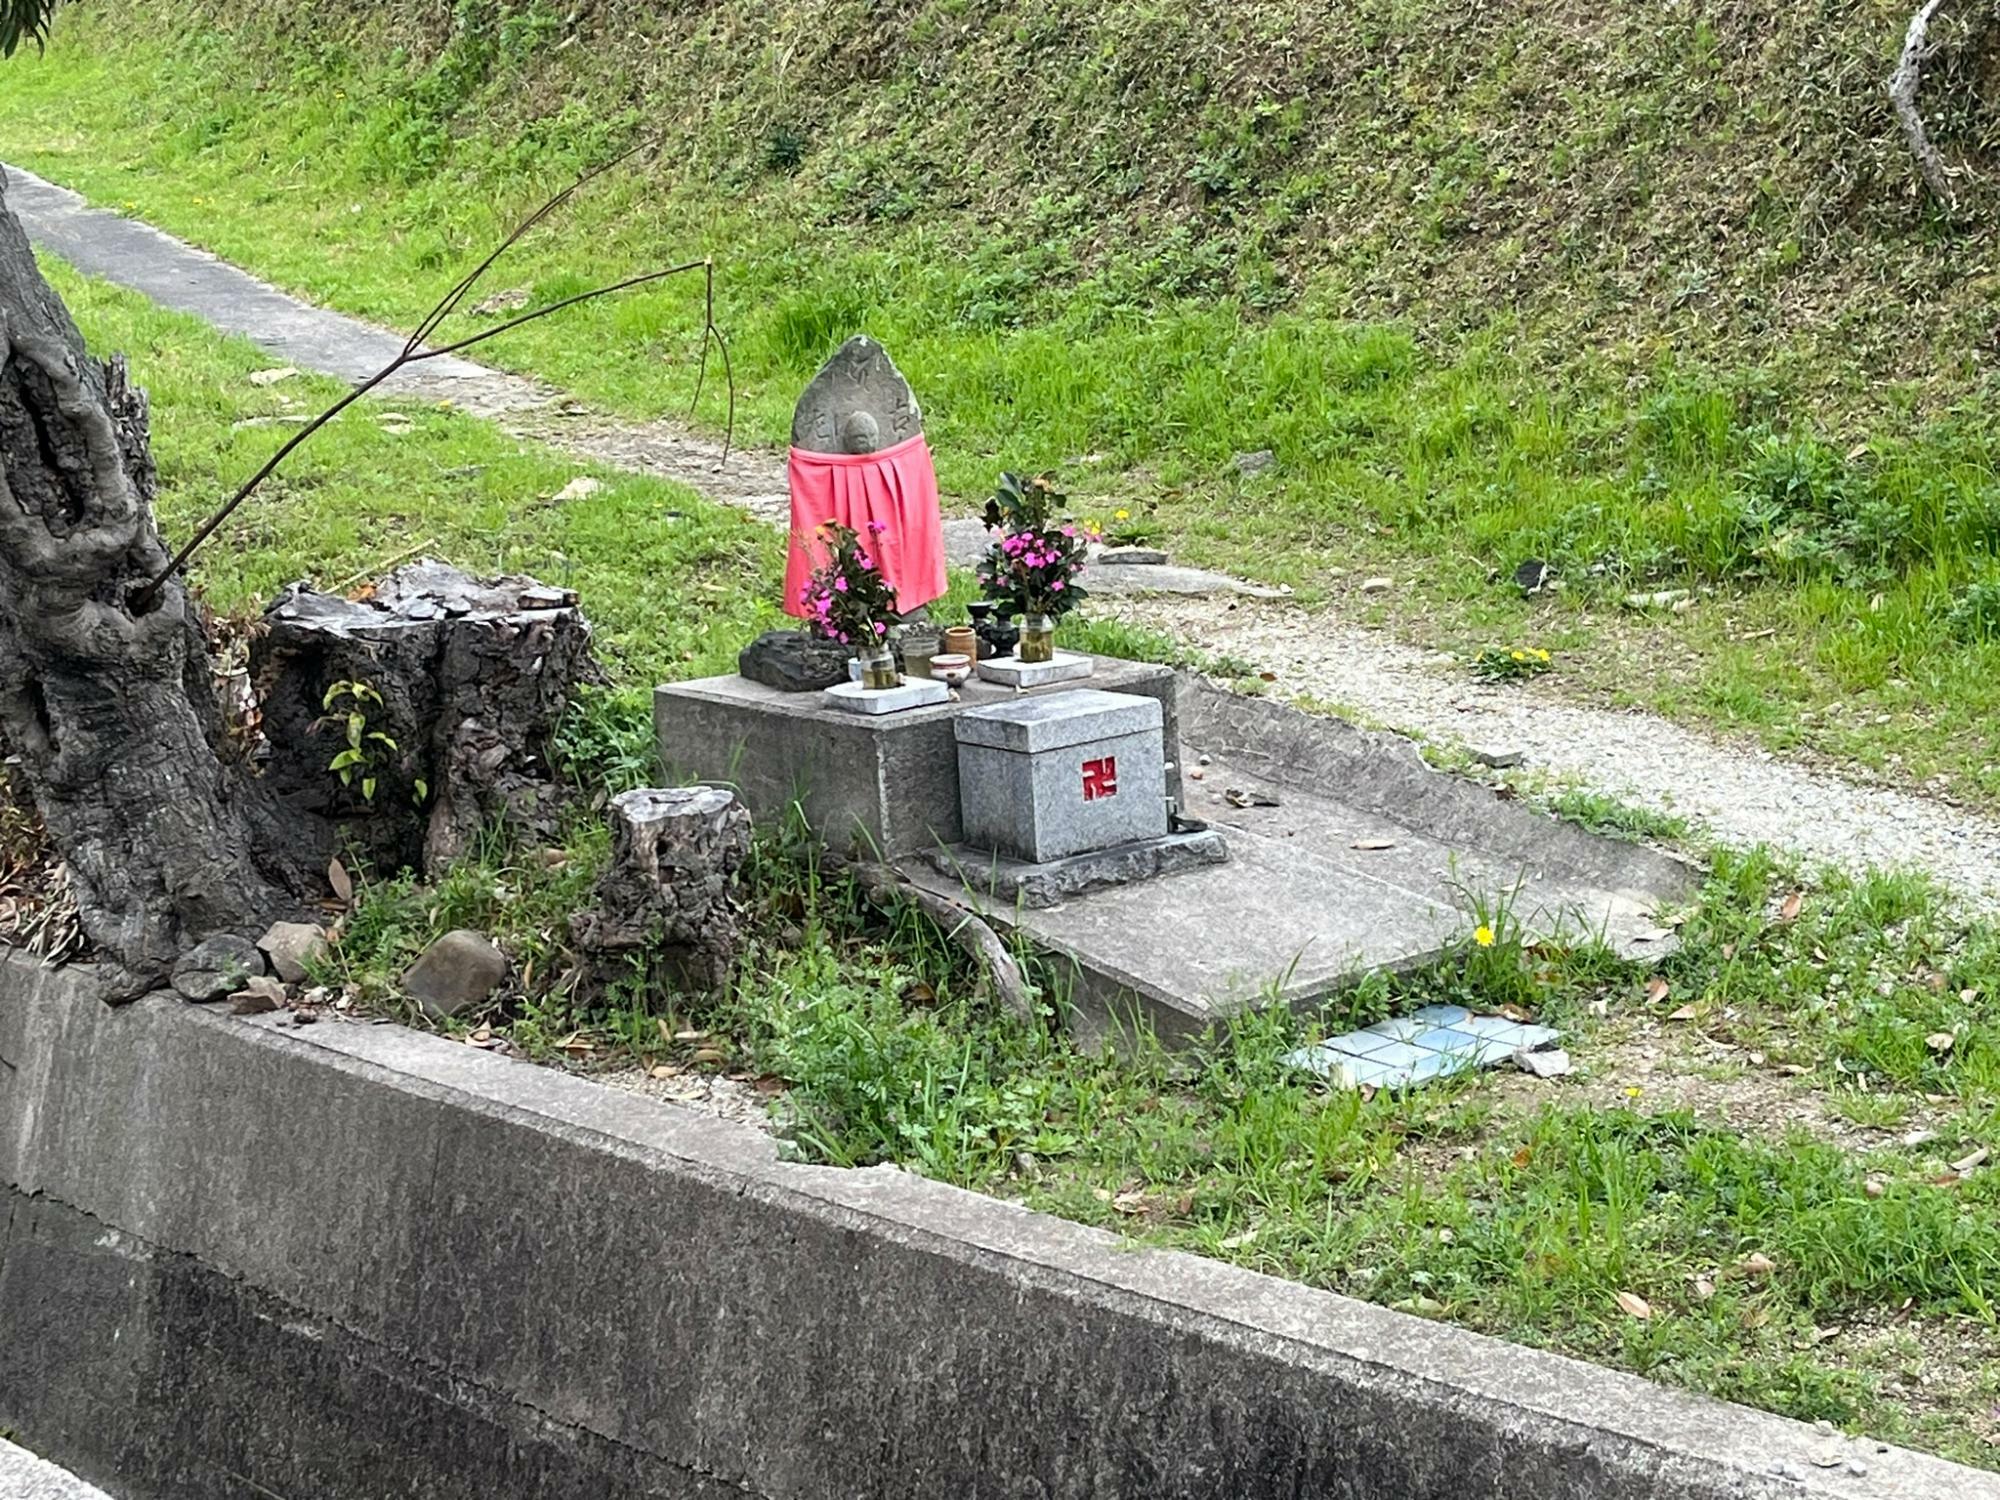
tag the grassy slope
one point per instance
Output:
(1525, 1220)
(1645, 295)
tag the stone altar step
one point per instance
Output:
(1299, 912)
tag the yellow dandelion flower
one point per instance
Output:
(1483, 935)
(1520, 656)
(1123, 515)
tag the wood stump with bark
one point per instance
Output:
(466, 681)
(109, 705)
(666, 902)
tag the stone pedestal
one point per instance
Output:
(1044, 778)
(883, 785)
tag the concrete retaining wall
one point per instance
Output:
(349, 1262)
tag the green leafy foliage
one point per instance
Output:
(24, 20)
(1038, 549)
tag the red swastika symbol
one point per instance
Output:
(1100, 778)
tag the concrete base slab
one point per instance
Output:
(1351, 855)
(1057, 881)
(853, 698)
(1008, 671)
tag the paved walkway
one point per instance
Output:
(26, 1477)
(178, 275)
(1739, 795)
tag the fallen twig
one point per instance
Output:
(1903, 84)
(962, 925)
(417, 347)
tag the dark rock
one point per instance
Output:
(460, 970)
(216, 967)
(859, 402)
(1534, 576)
(1133, 557)
(793, 662)
(290, 946)
(1250, 465)
(668, 896)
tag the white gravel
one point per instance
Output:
(1739, 796)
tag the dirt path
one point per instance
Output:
(1737, 795)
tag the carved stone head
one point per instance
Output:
(859, 402)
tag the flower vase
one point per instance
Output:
(878, 668)
(1038, 639)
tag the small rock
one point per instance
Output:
(793, 662)
(272, 377)
(290, 946)
(258, 997)
(1552, 1063)
(1250, 465)
(216, 967)
(1534, 576)
(458, 971)
(1133, 557)
(580, 488)
(1497, 758)
(1377, 585)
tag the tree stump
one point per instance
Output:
(459, 685)
(667, 897)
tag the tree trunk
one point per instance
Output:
(110, 709)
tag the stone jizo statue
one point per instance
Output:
(859, 457)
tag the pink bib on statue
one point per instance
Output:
(896, 488)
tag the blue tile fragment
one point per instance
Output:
(1436, 1042)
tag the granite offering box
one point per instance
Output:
(1043, 778)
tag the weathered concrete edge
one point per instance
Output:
(63, 1050)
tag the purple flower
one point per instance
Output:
(1055, 583)
(880, 628)
(840, 585)
(876, 528)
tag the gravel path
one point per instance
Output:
(1738, 796)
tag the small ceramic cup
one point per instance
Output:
(951, 666)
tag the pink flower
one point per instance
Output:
(880, 628)
(840, 585)
(867, 564)
(876, 528)
(841, 636)
(1055, 583)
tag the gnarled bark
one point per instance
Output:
(107, 705)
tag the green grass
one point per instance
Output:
(674, 583)
(1522, 1216)
(1830, 493)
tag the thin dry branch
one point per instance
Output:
(963, 926)
(1903, 86)
(417, 348)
